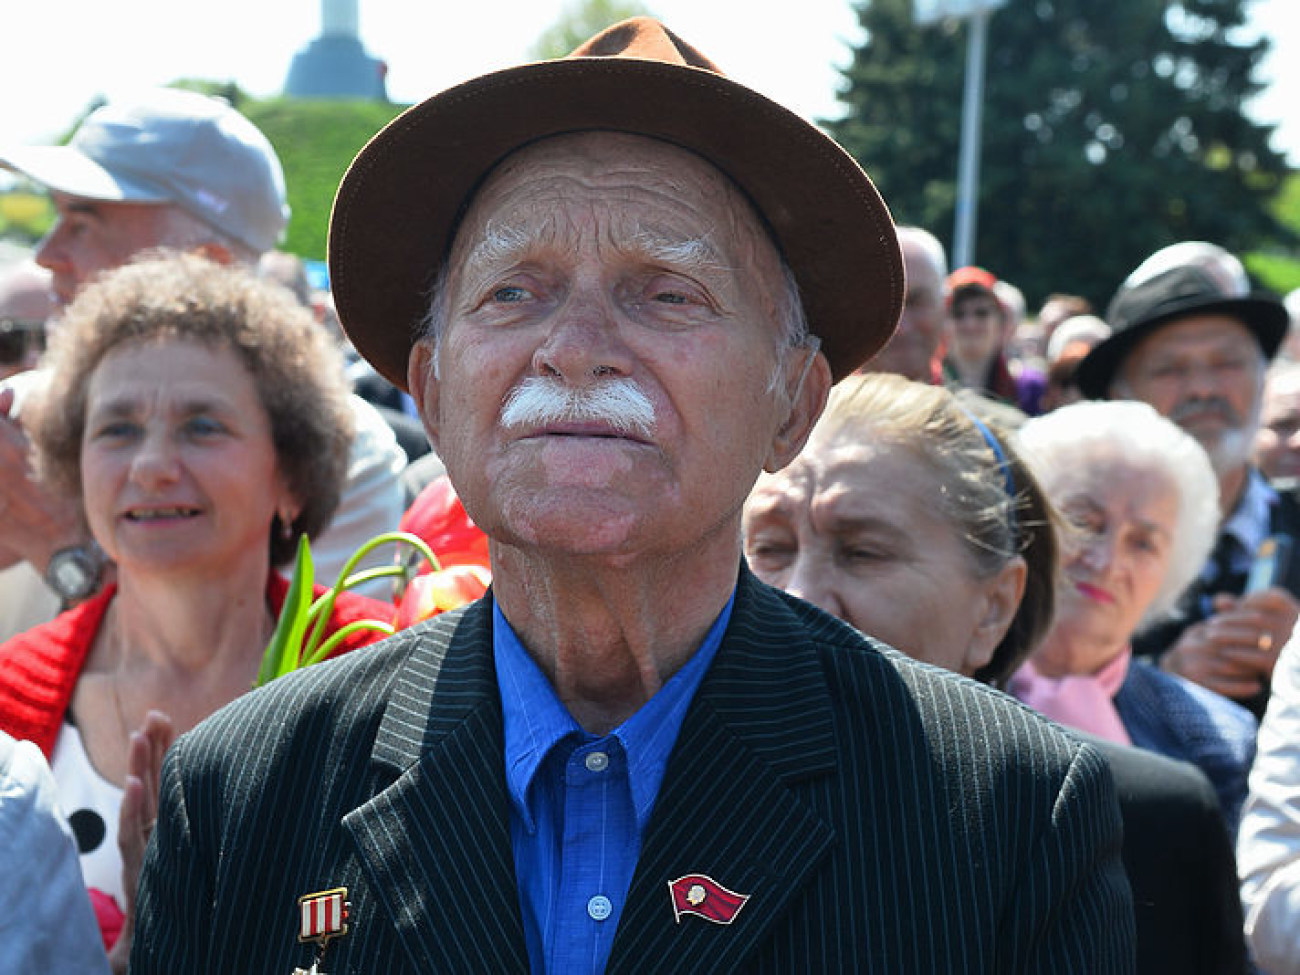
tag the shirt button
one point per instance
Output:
(599, 907)
(596, 761)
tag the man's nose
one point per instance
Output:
(583, 341)
(51, 253)
(1202, 381)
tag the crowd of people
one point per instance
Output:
(844, 616)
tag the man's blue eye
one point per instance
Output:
(509, 294)
(203, 425)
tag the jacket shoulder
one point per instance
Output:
(331, 707)
(884, 690)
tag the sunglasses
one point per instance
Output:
(20, 338)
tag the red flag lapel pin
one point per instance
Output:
(701, 895)
(322, 916)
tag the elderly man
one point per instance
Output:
(1189, 339)
(632, 756)
(1277, 443)
(26, 303)
(167, 169)
(913, 350)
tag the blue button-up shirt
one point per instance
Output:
(580, 803)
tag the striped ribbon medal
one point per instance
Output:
(322, 916)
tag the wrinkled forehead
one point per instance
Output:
(838, 464)
(1282, 393)
(1196, 334)
(647, 187)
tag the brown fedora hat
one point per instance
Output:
(399, 204)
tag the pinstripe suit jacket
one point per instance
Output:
(883, 816)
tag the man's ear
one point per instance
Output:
(807, 385)
(423, 384)
(1001, 600)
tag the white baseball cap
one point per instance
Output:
(170, 146)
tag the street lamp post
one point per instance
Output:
(978, 13)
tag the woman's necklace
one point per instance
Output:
(117, 655)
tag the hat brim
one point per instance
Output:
(1266, 318)
(400, 201)
(64, 169)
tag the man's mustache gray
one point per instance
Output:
(1206, 404)
(542, 400)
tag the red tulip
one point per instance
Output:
(438, 517)
(436, 592)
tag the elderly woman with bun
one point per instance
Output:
(1141, 500)
(201, 417)
(911, 515)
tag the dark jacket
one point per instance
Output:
(882, 814)
(1180, 864)
(1170, 715)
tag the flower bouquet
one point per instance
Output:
(428, 584)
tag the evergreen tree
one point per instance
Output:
(1110, 128)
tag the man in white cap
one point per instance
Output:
(172, 168)
(167, 169)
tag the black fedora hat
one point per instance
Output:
(1140, 309)
(401, 200)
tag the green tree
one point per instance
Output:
(579, 20)
(1110, 128)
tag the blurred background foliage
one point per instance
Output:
(1110, 129)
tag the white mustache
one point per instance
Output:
(1206, 404)
(542, 400)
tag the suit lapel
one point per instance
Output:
(436, 843)
(761, 722)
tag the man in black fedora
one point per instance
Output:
(618, 285)
(1191, 339)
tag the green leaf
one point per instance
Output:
(323, 608)
(292, 646)
(326, 648)
(282, 653)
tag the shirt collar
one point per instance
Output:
(1249, 521)
(536, 720)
